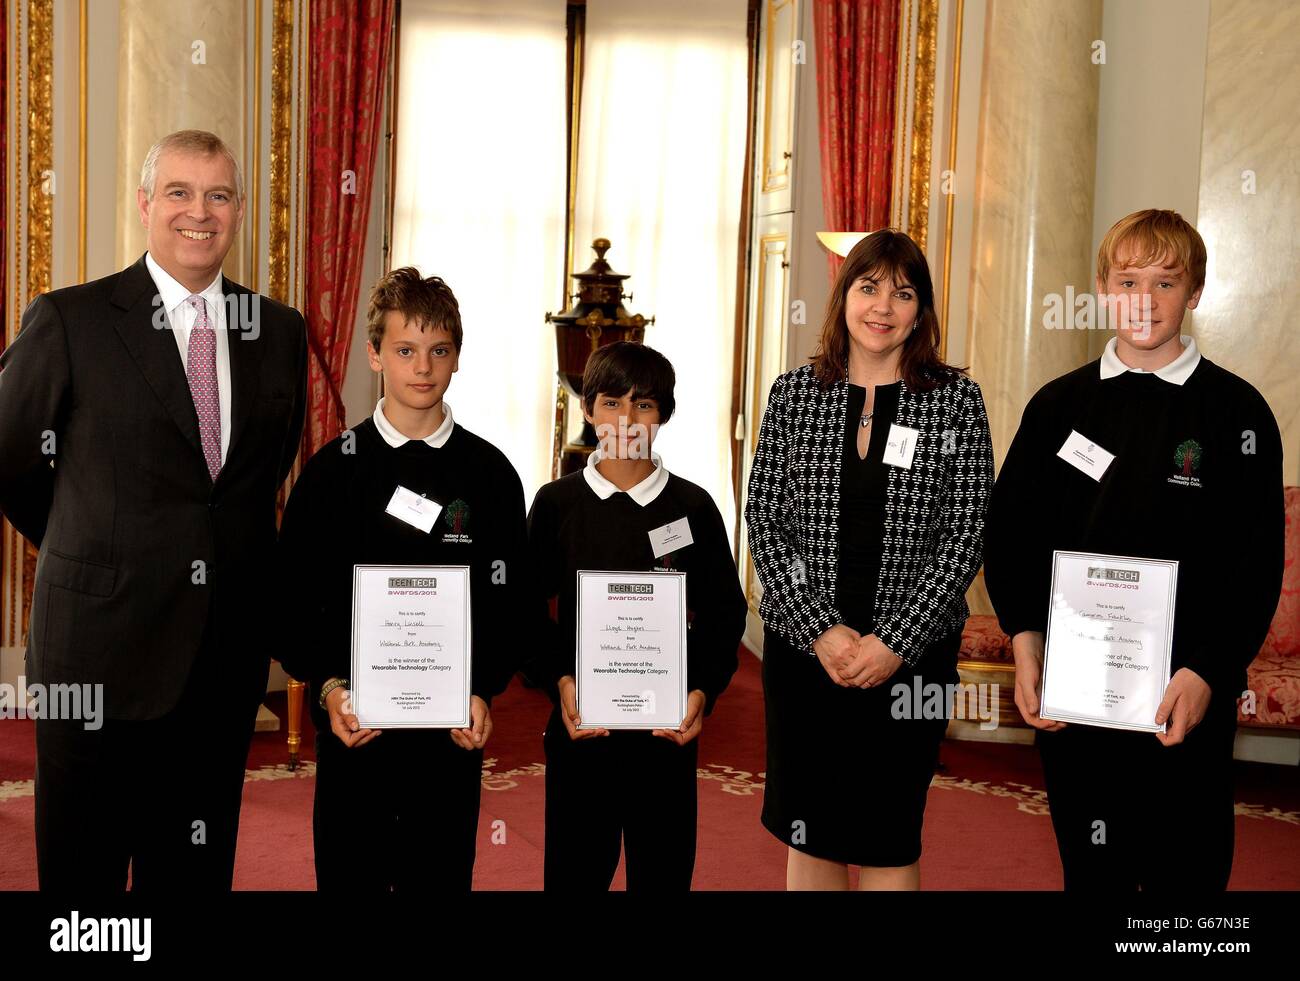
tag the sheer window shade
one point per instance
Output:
(661, 163)
(479, 200)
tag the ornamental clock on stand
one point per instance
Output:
(598, 317)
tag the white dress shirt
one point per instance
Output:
(643, 493)
(395, 439)
(182, 315)
(1176, 372)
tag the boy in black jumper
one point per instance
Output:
(398, 809)
(637, 785)
(1196, 477)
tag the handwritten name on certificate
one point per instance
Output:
(631, 657)
(1109, 640)
(411, 646)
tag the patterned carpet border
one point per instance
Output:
(740, 783)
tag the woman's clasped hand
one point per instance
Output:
(854, 661)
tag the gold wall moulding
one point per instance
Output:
(918, 201)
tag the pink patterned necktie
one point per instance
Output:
(201, 370)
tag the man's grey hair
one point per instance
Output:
(196, 141)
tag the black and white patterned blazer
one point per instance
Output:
(934, 513)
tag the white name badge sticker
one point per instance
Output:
(900, 446)
(671, 537)
(1085, 455)
(415, 510)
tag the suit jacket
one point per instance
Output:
(143, 557)
(934, 512)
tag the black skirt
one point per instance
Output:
(846, 779)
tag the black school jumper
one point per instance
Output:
(629, 784)
(1197, 477)
(400, 812)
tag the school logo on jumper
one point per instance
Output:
(1187, 459)
(456, 517)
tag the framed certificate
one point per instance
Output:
(631, 657)
(411, 646)
(1109, 640)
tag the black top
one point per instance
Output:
(934, 524)
(336, 518)
(570, 529)
(863, 492)
(1197, 477)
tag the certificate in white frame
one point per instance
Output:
(1109, 643)
(412, 640)
(631, 649)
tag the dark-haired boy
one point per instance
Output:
(637, 786)
(398, 809)
(1182, 460)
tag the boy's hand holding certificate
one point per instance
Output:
(1109, 640)
(411, 646)
(631, 657)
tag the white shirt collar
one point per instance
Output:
(1176, 372)
(395, 439)
(174, 294)
(643, 493)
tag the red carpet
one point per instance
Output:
(986, 823)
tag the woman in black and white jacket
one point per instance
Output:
(865, 515)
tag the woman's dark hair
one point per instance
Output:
(622, 367)
(890, 253)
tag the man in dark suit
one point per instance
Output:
(146, 422)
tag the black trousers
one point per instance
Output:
(1132, 814)
(397, 814)
(159, 797)
(628, 788)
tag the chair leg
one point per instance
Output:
(295, 692)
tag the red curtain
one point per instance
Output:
(350, 42)
(857, 46)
